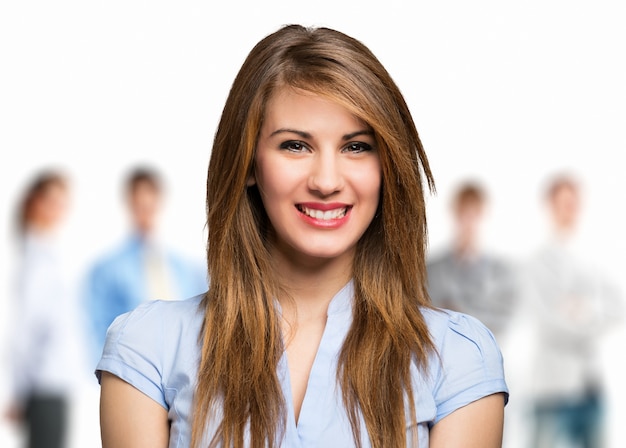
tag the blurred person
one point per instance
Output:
(142, 268)
(40, 339)
(571, 307)
(464, 276)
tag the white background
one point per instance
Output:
(504, 92)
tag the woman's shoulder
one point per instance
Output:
(150, 346)
(159, 314)
(459, 336)
(443, 323)
(468, 363)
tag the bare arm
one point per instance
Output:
(477, 425)
(129, 418)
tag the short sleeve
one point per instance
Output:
(133, 351)
(470, 365)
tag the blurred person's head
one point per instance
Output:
(468, 209)
(564, 201)
(44, 202)
(144, 196)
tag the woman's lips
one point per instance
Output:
(324, 215)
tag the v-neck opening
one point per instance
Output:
(340, 303)
(303, 406)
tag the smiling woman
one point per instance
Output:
(316, 329)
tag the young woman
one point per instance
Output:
(316, 330)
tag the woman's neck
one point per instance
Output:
(310, 283)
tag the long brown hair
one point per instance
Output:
(241, 337)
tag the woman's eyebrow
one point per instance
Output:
(358, 133)
(302, 134)
(307, 135)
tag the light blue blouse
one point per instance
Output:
(155, 348)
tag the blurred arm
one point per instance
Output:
(129, 418)
(477, 425)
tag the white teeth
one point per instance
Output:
(324, 215)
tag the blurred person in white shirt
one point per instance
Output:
(571, 305)
(40, 340)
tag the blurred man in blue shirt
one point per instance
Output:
(141, 268)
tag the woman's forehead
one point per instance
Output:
(289, 94)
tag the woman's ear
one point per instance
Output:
(251, 179)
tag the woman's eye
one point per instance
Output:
(357, 147)
(293, 146)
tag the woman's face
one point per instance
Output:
(318, 172)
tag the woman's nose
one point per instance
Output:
(326, 176)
